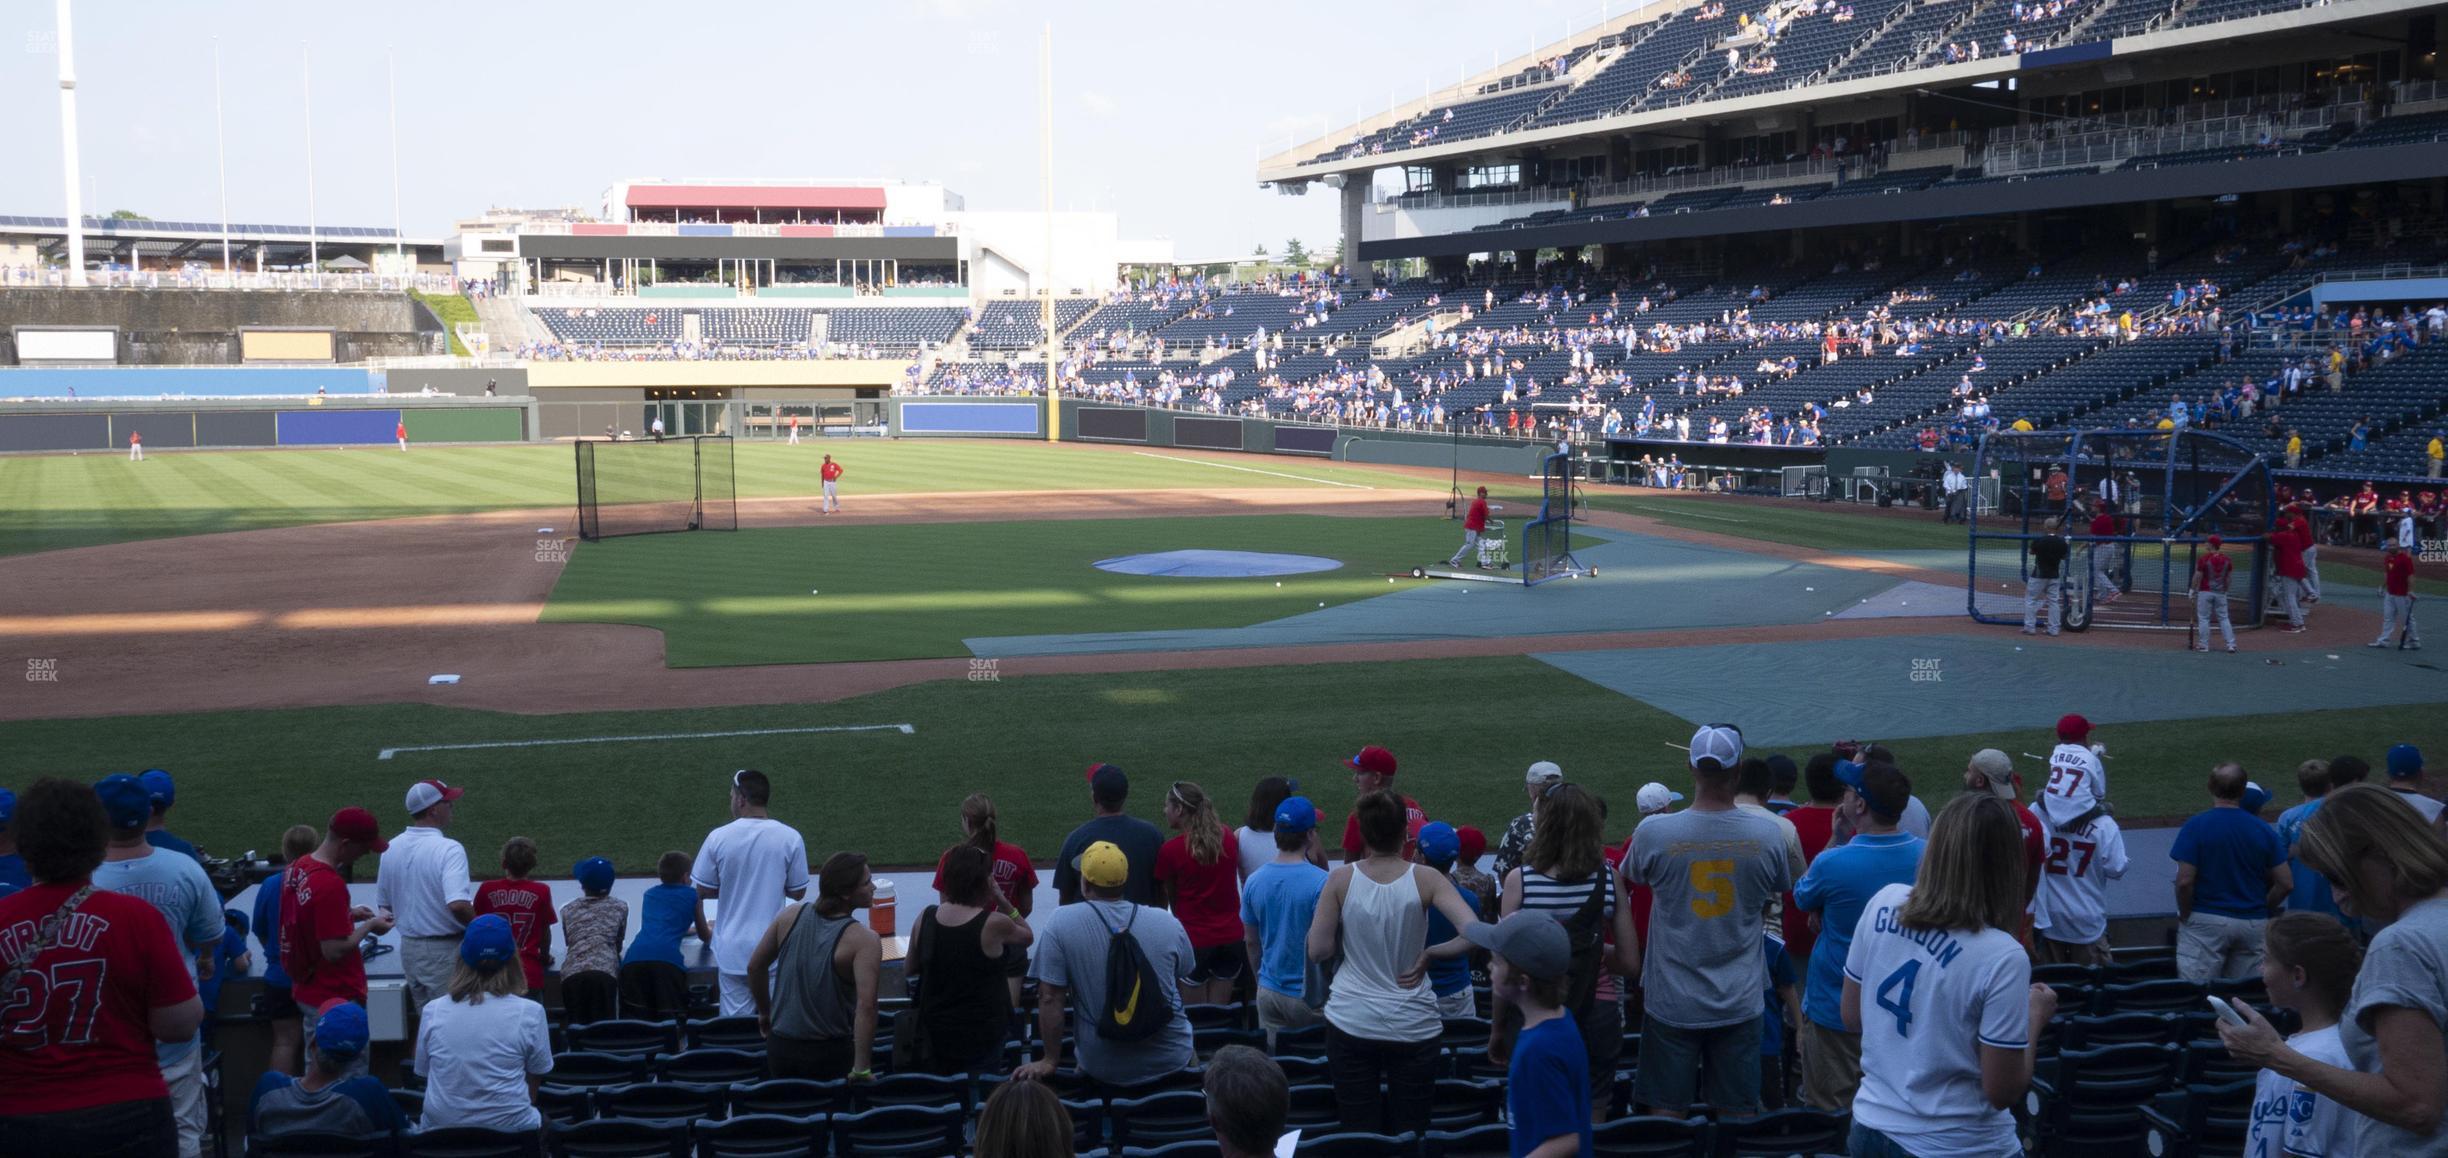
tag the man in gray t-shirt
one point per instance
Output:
(1072, 945)
(1711, 870)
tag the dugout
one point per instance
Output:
(2170, 492)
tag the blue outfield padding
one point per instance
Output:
(972, 417)
(336, 427)
(183, 381)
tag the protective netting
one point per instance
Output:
(645, 487)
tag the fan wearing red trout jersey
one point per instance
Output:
(2069, 913)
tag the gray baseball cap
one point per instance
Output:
(1531, 940)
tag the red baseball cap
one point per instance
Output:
(2216, 542)
(358, 825)
(2073, 728)
(425, 794)
(1473, 842)
(1373, 759)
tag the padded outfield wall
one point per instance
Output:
(39, 427)
(1087, 420)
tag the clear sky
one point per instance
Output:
(1161, 110)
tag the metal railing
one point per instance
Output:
(188, 279)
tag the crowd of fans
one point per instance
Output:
(1856, 951)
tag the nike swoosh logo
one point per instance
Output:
(1129, 1010)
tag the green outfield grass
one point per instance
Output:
(1463, 729)
(833, 593)
(1794, 524)
(52, 502)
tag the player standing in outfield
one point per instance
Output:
(831, 472)
(2104, 555)
(135, 446)
(1474, 522)
(2044, 580)
(402, 434)
(794, 430)
(2397, 597)
(2211, 573)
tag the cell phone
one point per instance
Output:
(2226, 1013)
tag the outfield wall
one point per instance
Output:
(1122, 424)
(168, 425)
(83, 382)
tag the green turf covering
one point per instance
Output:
(1463, 729)
(51, 502)
(902, 591)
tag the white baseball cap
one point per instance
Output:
(1543, 772)
(1655, 798)
(425, 794)
(1720, 742)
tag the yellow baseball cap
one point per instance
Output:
(1104, 865)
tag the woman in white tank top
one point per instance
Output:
(1382, 1024)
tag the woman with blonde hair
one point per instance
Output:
(1200, 873)
(1941, 993)
(483, 1047)
(1024, 1120)
(2389, 867)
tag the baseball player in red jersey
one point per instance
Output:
(135, 446)
(2210, 575)
(831, 472)
(402, 434)
(2103, 555)
(2287, 541)
(2397, 598)
(1474, 521)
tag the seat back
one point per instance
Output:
(724, 1033)
(317, 1144)
(1306, 1041)
(912, 1090)
(471, 1142)
(2166, 995)
(1461, 1104)
(560, 1103)
(596, 1069)
(762, 1136)
(790, 1097)
(901, 1132)
(662, 1101)
(1650, 1136)
(590, 997)
(1358, 1145)
(654, 989)
(1490, 1141)
(619, 1138)
(2092, 1031)
(1160, 1119)
(712, 1066)
(1313, 1108)
(1782, 1132)
(626, 1037)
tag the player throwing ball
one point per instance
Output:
(831, 472)
(1474, 522)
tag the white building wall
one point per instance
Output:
(1006, 252)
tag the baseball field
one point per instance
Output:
(268, 626)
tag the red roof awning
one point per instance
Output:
(753, 197)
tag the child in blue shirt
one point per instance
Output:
(668, 912)
(1783, 1015)
(1439, 847)
(1547, 1096)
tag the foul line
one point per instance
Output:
(1252, 470)
(904, 729)
(1662, 513)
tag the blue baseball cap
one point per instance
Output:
(488, 942)
(2255, 797)
(125, 799)
(158, 784)
(2404, 762)
(8, 807)
(341, 1030)
(1849, 774)
(1439, 844)
(594, 874)
(1296, 814)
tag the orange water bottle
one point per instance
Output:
(881, 915)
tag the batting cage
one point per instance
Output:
(647, 487)
(1547, 540)
(2136, 508)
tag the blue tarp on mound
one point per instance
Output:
(1203, 564)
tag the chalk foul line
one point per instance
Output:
(387, 753)
(1253, 470)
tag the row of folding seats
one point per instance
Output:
(1020, 325)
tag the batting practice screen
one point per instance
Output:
(1547, 540)
(645, 488)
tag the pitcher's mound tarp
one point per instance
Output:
(1198, 563)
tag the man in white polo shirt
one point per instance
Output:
(423, 883)
(751, 866)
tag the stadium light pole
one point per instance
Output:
(391, 90)
(221, 159)
(1045, 161)
(314, 248)
(68, 147)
